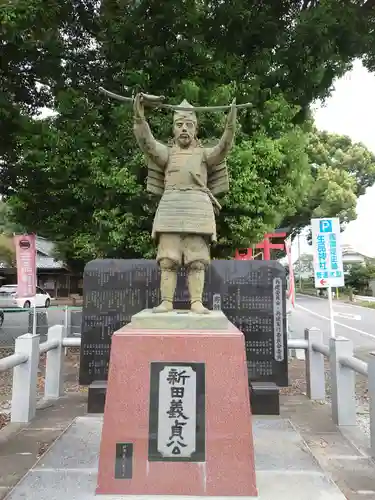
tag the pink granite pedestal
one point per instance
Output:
(223, 461)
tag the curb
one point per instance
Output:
(40, 309)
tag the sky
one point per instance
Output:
(350, 111)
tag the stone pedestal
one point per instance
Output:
(177, 418)
(96, 396)
(264, 398)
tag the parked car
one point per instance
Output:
(1, 318)
(9, 298)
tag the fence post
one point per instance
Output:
(66, 320)
(291, 352)
(25, 378)
(315, 379)
(342, 382)
(54, 381)
(371, 392)
(67, 317)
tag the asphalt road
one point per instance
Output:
(16, 323)
(353, 322)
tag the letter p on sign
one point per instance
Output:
(325, 226)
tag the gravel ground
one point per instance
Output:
(298, 386)
(296, 380)
(71, 380)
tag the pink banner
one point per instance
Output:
(26, 264)
(291, 291)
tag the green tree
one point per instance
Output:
(95, 177)
(284, 55)
(7, 224)
(7, 251)
(359, 276)
(340, 172)
(40, 44)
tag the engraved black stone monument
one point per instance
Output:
(252, 294)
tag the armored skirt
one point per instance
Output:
(187, 211)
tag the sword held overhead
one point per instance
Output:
(158, 102)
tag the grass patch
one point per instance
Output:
(363, 303)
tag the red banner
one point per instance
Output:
(291, 291)
(26, 264)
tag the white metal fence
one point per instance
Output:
(24, 363)
(363, 298)
(343, 366)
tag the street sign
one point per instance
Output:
(328, 266)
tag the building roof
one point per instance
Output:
(45, 255)
(348, 249)
(43, 262)
(44, 246)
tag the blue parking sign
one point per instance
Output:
(325, 226)
(328, 266)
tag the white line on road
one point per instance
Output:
(357, 317)
(366, 334)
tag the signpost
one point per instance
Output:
(328, 266)
(26, 268)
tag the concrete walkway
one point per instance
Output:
(21, 446)
(300, 455)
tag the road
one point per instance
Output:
(16, 323)
(353, 322)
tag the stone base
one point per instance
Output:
(264, 398)
(216, 457)
(96, 397)
(180, 319)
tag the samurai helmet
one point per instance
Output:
(185, 115)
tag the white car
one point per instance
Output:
(9, 298)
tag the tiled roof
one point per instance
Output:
(43, 262)
(44, 255)
(44, 246)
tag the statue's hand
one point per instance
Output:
(138, 106)
(232, 115)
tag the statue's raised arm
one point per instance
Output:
(217, 154)
(187, 177)
(153, 149)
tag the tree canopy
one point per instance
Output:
(78, 178)
(360, 275)
(340, 172)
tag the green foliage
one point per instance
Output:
(78, 178)
(340, 172)
(41, 42)
(7, 224)
(370, 305)
(359, 276)
(95, 178)
(7, 251)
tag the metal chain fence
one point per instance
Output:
(18, 321)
